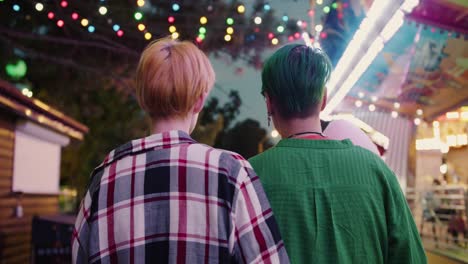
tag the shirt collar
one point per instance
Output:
(159, 140)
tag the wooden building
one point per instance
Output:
(31, 137)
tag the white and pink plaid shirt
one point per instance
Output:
(168, 199)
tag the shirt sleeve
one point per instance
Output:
(256, 237)
(404, 245)
(80, 236)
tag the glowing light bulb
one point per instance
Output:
(39, 7)
(50, 15)
(16, 7)
(202, 30)
(116, 27)
(172, 29)
(230, 30)
(91, 29)
(285, 18)
(258, 20)
(274, 41)
(64, 4)
(319, 2)
(176, 7)
(171, 19)
(84, 22)
(202, 36)
(274, 133)
(326, 9)
(266, 7)
(103, 10)
(120, 33)
(74, 16)
(241, 9)
(229, 21)
(60, 23)
(318, 28)
(138, 16)
(141, 27)
(148, 36)
(396, 105)
(140, 3)
(280, 29)
(394, 114)
(358, 103)
(417, 121)
(271, 35)
(371, 107)
(227, 38)
(203, 20)
(175, 35)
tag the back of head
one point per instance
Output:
(171, 76)
(294, 78)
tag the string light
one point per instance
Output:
(60, 23)
(140, 3)
(175, 35)
(203, 20)
(64, 4)
(285, 18)
(358, 103)
(39, 7)
(419, 112)
(148, 36)
(241, 9)
(230, 30)
(374, 98)
(274, 41)
(396, 105)
(202, 30)
(116, 27)
(84, 22)
(91, 29)
(120, 33)
(361, 95)
(201, 36)
(280, 29)
(417, 121)
(138, 15)
(311, 12)
(103, 10)
(141, 27)
(394, 114)
(299, 23)
(175, 7)
(266, 7)
(50, 15)
(172, 29)
(198, 39)
(171, 19)
(319, 2)
(318, 28)
(297, 35)
(258, 20)
(326, 9)
(74, 16)
(229, 21)
(371, 107)
(227, 38)
(16, 7)
(271, 35)
(335, 5)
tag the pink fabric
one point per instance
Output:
(342, 129)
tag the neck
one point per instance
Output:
(293, 126)
(167, 124)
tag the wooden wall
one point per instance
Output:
(15, 233)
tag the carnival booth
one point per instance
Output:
(32, 135)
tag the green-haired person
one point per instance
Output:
(335, 202)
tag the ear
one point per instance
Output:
(200, 103)
(324, 99)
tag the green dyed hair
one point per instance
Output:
(294, 78)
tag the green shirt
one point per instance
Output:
(337, 203)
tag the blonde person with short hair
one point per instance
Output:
(166, 198)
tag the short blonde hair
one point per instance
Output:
(171, 76)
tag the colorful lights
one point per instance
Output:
(230, 30)
(323, 35)
(140, 3)
(266, 7)
(203, 20)
(274, 41)
(274, 133)
(417, 121)
(175, 35)
(16, 7)
(91, 29)
(141, 27)
(326, 9)
(280, 29)
(138, 15)
(102, 10)
(148, 36)
(229, 21)
(198, 39)
(318, 28)
(39, 7)
(50, 15)
(116, 27)
(120, 33)
(258, 20)
(240, 9)
(84, 22)
(396, 105)
(319, 2)
(394, 114)
(335, 5)
(201, 36)
(172, 29)
(271, 35)
(175, 7)
(202, 30)
(60, 23)
(285, 18)
(64, 4)
(358, 103)
(227, 38)
(419, 112)
(171, 19)
(371, 107)
(74, 16)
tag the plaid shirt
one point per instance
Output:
(166, 198)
